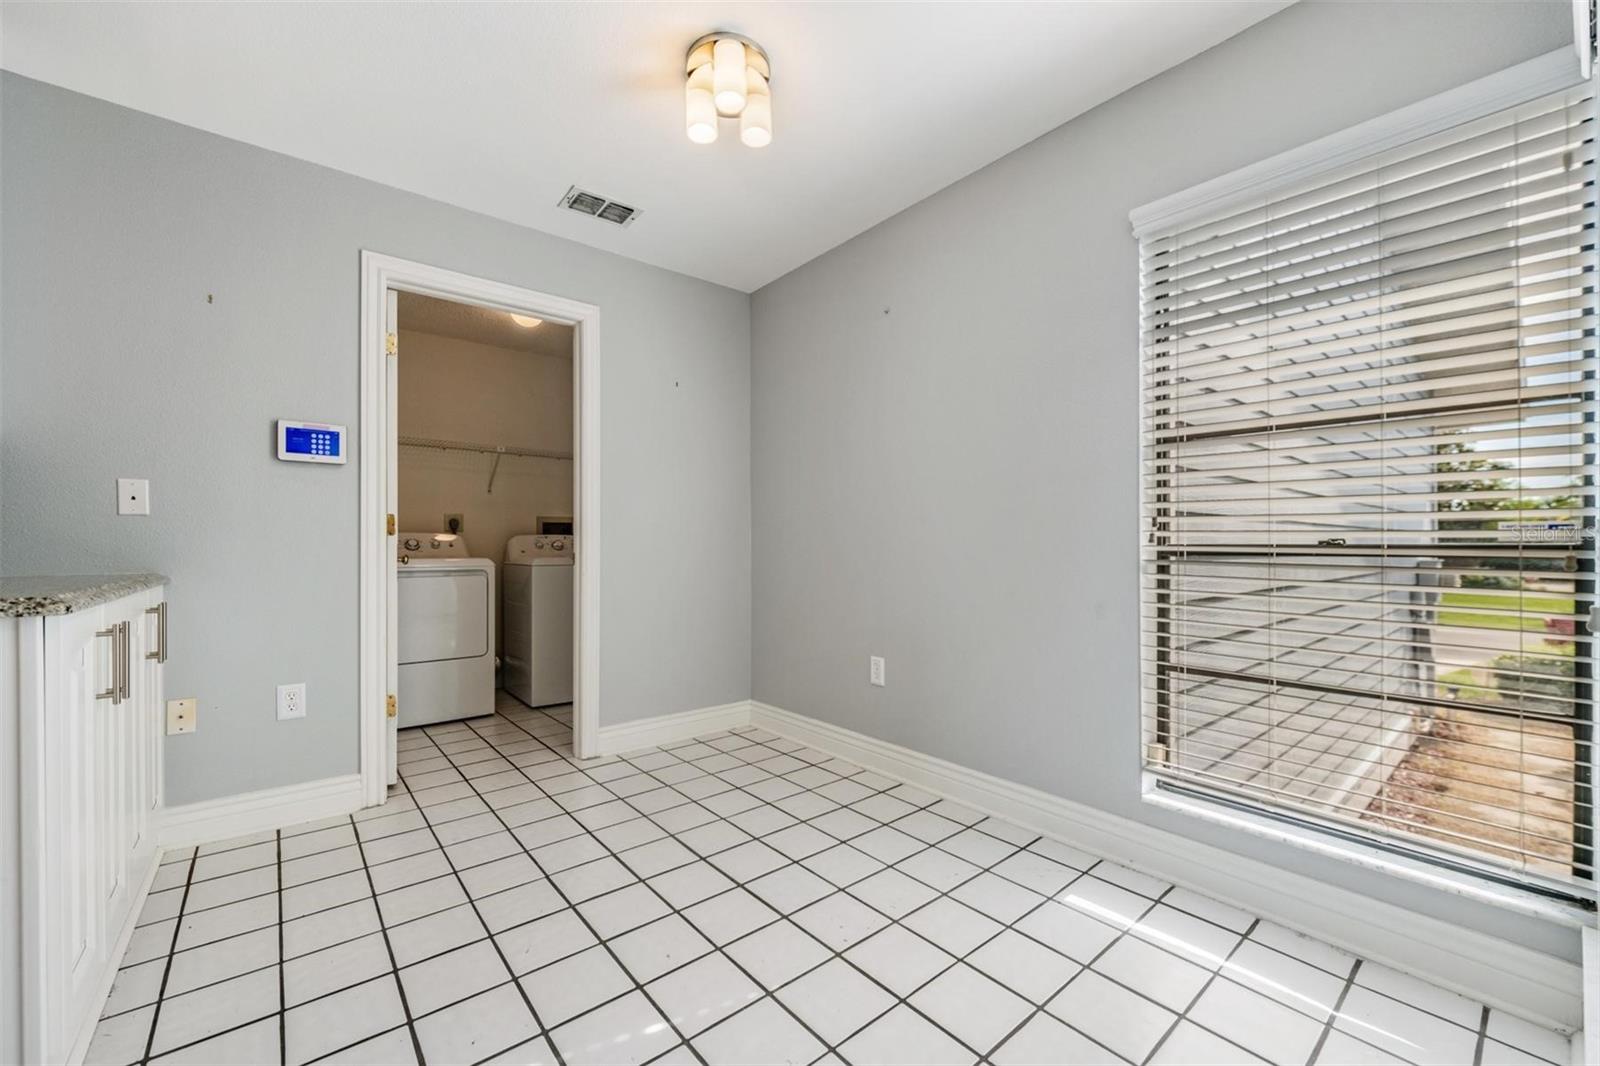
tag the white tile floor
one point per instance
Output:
(735, 899)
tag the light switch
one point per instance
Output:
(133, 495)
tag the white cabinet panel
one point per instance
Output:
(89, 764)
(82, 668)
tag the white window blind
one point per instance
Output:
(1368, 471)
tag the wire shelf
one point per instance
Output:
(496, 450)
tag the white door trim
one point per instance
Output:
(380, 273)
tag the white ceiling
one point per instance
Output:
(500, 107)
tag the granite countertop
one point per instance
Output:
(21, 597)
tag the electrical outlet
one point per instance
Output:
(875, 670)
(454, 523)
(133, 495)
(292, 701)
(182, 715)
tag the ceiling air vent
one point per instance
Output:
(589, 203)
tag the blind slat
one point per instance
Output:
(1518, 209)
(1369, 495)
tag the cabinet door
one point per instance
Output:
(69, 822)
(146, 715)
(130, 756)
(111, 762)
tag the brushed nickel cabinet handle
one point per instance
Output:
(127, 651)
(114, 693)
(160, 652)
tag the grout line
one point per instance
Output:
(947, 894)
(907, 814)
(234, 1028)
(283, 1007)
(834, 953)
(476, 748)
(565, 898)
(1205, 986)
(787, 917)
(1239, 938)
(979, 871)
(328, 1055)
(672, 911)
(1084, 968)
(283, 998)
(472, 901)
(1333, 1015)
(394, 967)
(1221, 966)
(166, 972)
(928, 806)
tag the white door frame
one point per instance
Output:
(380, 273)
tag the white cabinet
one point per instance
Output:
(88, 701)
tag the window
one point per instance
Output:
(1368, 470)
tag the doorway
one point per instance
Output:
(442, 448)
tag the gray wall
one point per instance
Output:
(946, 430)
(118, 228)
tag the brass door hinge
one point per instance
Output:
(393, 708)
(389, 524)
(391, 344)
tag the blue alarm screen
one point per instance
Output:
(310, 441)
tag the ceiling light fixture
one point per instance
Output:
(728, 76)
(526, 321)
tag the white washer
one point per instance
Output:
(536, 587)
(446, 614)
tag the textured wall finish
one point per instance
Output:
(945, 419)
(169, 293)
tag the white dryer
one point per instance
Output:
(536, 590)
(446, 637)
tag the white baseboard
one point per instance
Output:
(1536, 986)
(253, 812)
(670, 728)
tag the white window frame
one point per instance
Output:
(1543, 75)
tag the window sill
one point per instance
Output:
(1455, 882)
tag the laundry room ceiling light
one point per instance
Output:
(728, 76)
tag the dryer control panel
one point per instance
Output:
(432, 546)
(540, 547)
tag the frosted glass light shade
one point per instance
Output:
(701, 111)
(755, 121)
(727, 61)
(728, 76)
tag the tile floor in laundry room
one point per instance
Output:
(738, 898)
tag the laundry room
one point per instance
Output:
(484, 547)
